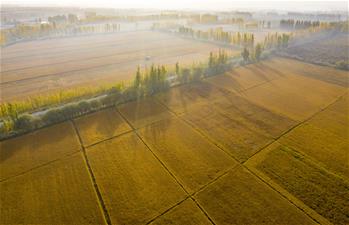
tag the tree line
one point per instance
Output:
(218, 34)
(27, 32)
(147, 82)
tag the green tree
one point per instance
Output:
(245, 54)
(258, 51)
(138, 78)
(185, 75)
(24, 122)
(211, 60)
(177, 68)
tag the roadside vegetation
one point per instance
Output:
(16, 117)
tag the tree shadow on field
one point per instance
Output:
(262, 67)
(33, 147)
(232, 79)
(156, 132)
(110, 122)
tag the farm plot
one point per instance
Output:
(100, 126)
(323, 73)
(186, 97)
(134, 185)
(297, 97)
(328, 48)
(35, 149)
(315, 186)
(246, 77)
(180, 99)
(58, 193)
(229, 132)
(324, 146)
(256, 117)
(192, 159)
(144, 112)
(187, 213)
(46, 65)
(240, 198)
(335, 118)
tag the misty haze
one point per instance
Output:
(174, 112)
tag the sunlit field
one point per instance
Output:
(169, 116)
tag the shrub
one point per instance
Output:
(95, 104)
(70, 111)
(342, 65)
(52, 116)
(84, 106)
(24, 122)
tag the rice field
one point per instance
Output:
(59, 193)
(266, 148)
(133, 183)
(101, 125)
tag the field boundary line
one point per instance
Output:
(164, 166)
(108, 139)
(93, 179)
(273, 140)
(295, 201)
(298, 124)
(41, 165)
(197, 130)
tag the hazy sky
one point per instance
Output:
(193, 4)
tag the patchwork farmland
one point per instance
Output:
(41, 66)
(265, 143)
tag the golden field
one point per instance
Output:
(188, 156)
(59, 193)
(268, 148)
(100, 125)
(133, 183)
(318, 188)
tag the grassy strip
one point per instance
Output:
(16, 119)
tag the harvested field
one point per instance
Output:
(187, 213)
(58, 193)
(100, 126)
(24, 153)
(322, 145)
(45, 65)
(240, 198)
(322, 191)
(144, 112)
(192, 159)
(134, 185)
